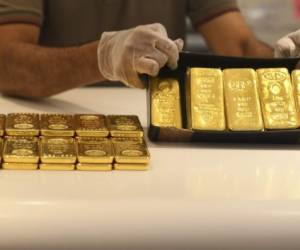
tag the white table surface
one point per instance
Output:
(192, 197)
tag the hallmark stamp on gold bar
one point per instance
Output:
(165, 103)
(277, 99)
(57, 150)
(91, 125)
(94, 150)
(2, 124)
(22, 124)
(205, 99)
(57, 125)
(242, 100)
(21, 150)
(124, 126)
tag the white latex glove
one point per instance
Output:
(288, 46)
(123, 55)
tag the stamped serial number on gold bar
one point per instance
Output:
(21, 150)
(57, 125)
(242, 100)
(205, 100)
(22, 124)
(124, 126)
(165, 103)
(91, 125)
(277, 99)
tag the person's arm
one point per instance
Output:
(27, 69)
(230, 35)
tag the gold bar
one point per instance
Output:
(57, 166)
(22, 124)
(2, 124)
(130, 151)
(91, 125)
(277, 99)
(19, 166)
(21, 150)
(94, 150)
(94, 166)
(57, 150)
(242, 100)
(1, 149)
(131, 167)
(124, 126)
(165, 103)
(57, 125)
(205, 99)
(296, 87)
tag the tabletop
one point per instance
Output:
(200, 196)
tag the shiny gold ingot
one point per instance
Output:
(277, 99)
(91, 125)
(94, 166)
(19, 166)
(1, 148)
(130, 151)
(165, 103)
(296, 87)
(57, 125)
(21, 150)
(205, 99)
(22, 124)
(131, 167)
(124, 126)
(57, 150)
(242, 100)
(94, 150)
(57, 166)
(2, 124)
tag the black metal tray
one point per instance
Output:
(188, 59)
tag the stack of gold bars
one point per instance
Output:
(229, 100)
(89, 142)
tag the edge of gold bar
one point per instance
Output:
(205, 99)
(94, 166)
(21, 150)
(93, 150)
(131, 167)
(19, 166)
(131, 152)
(57, 166)
(296, 88)
(91, 125)
(243, 109)
(277, 99)
(165, 103)
(22, 124)
(2, 124)
(57, 125)
(124, 126)
(1, 149)
(57, 150)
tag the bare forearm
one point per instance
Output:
(256, 48)
(34, 71)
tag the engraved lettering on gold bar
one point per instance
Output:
(22, 124)
(242, 100)
(91, 125)
(205, 99)
(21, 150)
(57, 150)
(165, 103)
(277, 99)
(57, 125)
(124, 126)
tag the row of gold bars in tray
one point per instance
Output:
(88, 142)
(233, 99)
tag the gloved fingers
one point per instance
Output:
(179, 43)
(158, 28)
(285, 47)
(147, 66)
(169, 48)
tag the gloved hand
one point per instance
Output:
(123, 55)
(288, 46)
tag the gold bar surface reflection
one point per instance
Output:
(205, 99)
(296, 87)
(91, 125)
(57, 166)
(277, 99)
(124, 126)
(130, 166)
(242, 100)
(19, 166)
(94, 166)
(2, 124)
(57, 125)
(165, 103)
(22, 124)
